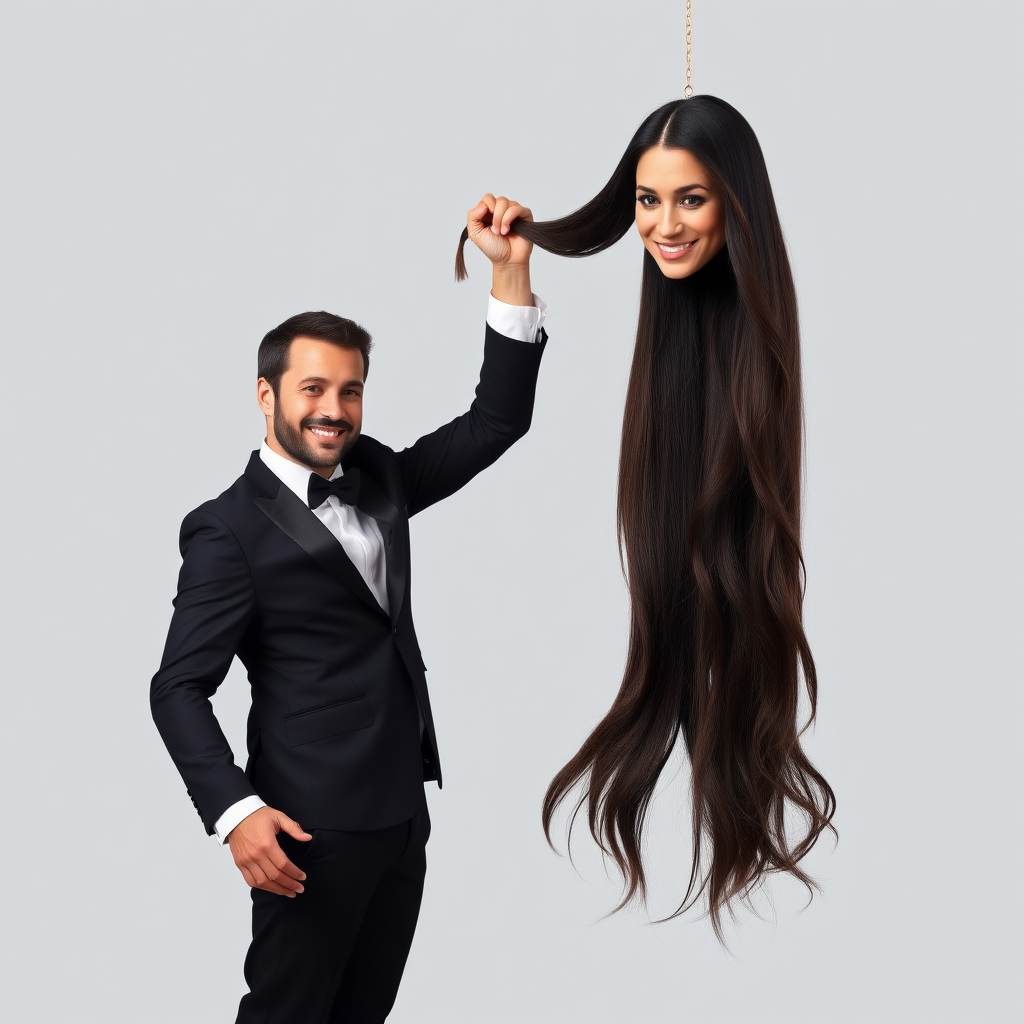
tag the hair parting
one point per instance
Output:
(709, 530)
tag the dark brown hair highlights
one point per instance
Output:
(272, 358)
(709, 526)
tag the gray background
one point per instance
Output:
(178, 178)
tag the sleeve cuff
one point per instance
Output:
(521, 323)
(234, 814)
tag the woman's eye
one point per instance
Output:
(647, 200)
(692, 201)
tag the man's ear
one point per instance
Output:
(265, 396)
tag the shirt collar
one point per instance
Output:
(293, 475)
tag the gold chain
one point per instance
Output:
(687, 92)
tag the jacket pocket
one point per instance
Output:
(332, 719)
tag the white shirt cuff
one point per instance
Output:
(521, 323)
(234, 814)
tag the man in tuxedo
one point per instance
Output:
(301, 569)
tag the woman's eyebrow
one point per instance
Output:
(685, 188)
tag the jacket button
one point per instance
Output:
(397, 634)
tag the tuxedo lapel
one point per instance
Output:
(375, 503)
(294, 518)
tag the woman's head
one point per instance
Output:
(702, 141)
(680, 212)
(685, 140)
(709, 137)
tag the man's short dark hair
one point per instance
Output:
(272, 360)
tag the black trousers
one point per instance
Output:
(336, 952)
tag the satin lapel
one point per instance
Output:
(376, 504)
(293, 517)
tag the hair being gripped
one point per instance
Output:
(709, 528)
(272, 358)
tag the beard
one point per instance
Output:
(294, 442)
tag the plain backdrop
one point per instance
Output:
(177, 178)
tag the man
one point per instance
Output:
(301, 569)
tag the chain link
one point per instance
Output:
(687, 92)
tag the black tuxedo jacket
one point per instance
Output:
(333, 733)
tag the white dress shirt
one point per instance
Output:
(359, 533)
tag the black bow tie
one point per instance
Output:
(345, 488)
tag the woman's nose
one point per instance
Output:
(670, 220)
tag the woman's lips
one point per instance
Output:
(675, 252)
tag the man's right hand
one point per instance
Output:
(259, 856)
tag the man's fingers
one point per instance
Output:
(501, 245)
(500, 206)
(268, 886)
(513, 213)
(479, 218)
(258, 854)
(293, 828)
(277, 873)
(483, 208)
(265, 874)
(286, 868)
(510, 214)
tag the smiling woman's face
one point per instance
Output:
(679, 211)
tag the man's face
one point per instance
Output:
(316, 415)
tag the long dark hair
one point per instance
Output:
(709, 528)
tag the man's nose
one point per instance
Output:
(329, 406)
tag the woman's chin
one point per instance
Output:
(687, 266)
